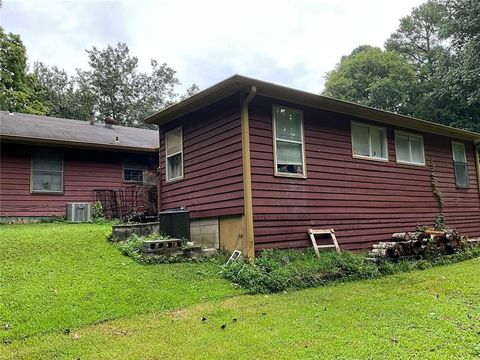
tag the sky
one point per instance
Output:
(292, 43)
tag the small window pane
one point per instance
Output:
(378, 143)
(47, 161)
(174, 141)
(360, 140)
(47, 165)
(416, 144)
(289, 153)
(288, 124)
(174, 166)
(402, 148)
(459, 152)
(134, 175)
(47, 181)
(290, 169)
(461, 175)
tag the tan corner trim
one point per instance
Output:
(159, 171)
(476, 148)
(247, 174)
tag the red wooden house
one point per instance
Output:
(259, 164)
(48, 162)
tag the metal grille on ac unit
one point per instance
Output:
(79, 212)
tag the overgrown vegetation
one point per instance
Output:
(98, 213)
(439, 222)
(132, 247)
(280, 270)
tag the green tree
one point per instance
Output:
(121, 90)
(372, 77)
(61, 93)
(192, 90)
(441, 39)
(418, 38)
(460, 76)
(19, 91)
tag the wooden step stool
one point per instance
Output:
(331, 232)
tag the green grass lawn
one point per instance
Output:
(431, 314)
(58, 276)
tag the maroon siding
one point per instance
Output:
(365, 201)
(84, 171)
(212, 150)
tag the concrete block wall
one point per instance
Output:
(123, 232)
(205, 232)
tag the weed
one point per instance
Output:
(132, 247)
(280, 270)
(98, 213)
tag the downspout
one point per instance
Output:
(249, 241)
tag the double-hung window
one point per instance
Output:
(47, 172)
(460, 164)
(369, 142)
(288, 141)
(174, 154)
(409, 148)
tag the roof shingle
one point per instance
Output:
(58, 130)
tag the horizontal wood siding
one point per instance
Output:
(84, 171)
(365, 201)
(212, 151)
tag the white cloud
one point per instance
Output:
(289, 42)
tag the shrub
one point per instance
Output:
(98, 214)
(132, 247)
(280, 270)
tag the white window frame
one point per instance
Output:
(385, 141)
(410, 135)
(303, 175)
(466, 164)
(33, 171)
(170, 155)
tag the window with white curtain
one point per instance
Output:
(174, 154)
(47, 171)
(369, 141)
(289, 144)
(460, 164)
(409, 148)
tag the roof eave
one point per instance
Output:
(238, 83)
(203, 98)
(75, 144)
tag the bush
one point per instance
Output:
(280, 270)
(132, 247)
(98, 214)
